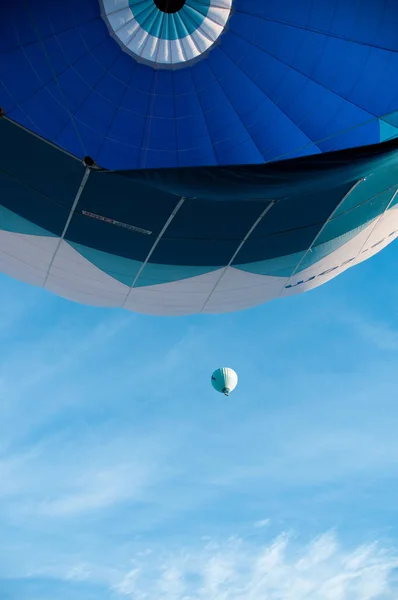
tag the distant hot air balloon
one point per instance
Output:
(195, 156)
(224, 380)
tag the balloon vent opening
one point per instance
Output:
(169, 6)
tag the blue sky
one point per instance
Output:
(124, 475)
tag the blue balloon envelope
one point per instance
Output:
(174, 157)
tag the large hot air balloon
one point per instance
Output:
(176, 157)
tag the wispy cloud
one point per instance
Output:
(376, 332)
(97, 490)
(75, 475)
(321, 570)
(286, 566)
(262, 523)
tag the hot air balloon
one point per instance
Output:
(224, 380)
(198, 156)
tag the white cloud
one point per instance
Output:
(262, 523)
(82, 480)
(236, 570)
(378, 333)
(80, 572)
(100, 489)
(38, 359)
(283, 568)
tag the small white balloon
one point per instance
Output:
(224, 380)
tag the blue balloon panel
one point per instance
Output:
(167, 83)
